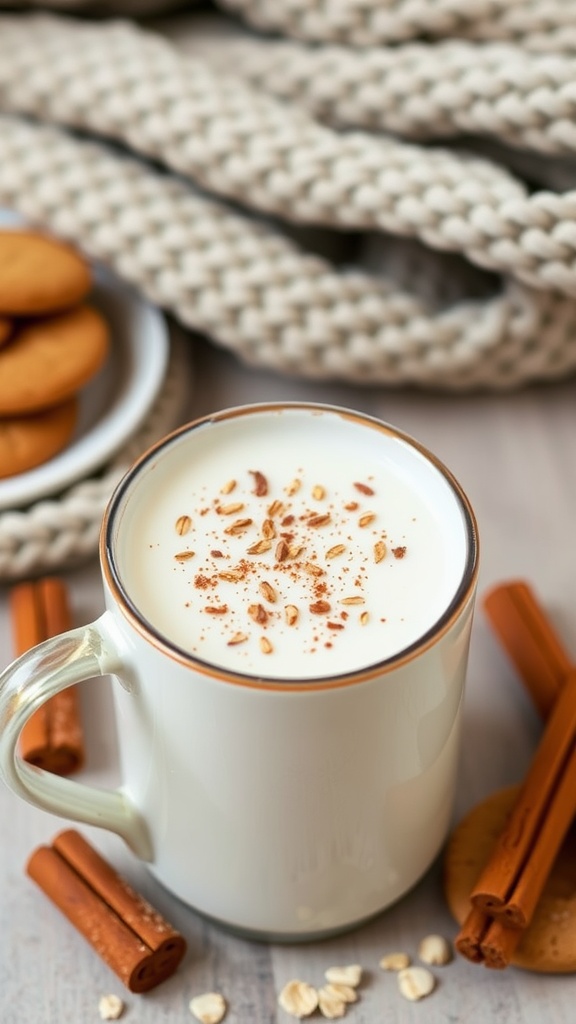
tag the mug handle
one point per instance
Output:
(84, 653)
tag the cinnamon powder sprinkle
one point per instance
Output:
(183, 524)
(363, 488)
(399, 552)
(184, 556)
(320, 607)
(203, 582)
(260, 483)
(265, 645)
(216, 609)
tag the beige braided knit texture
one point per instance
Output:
(539, 24)
(241, 280)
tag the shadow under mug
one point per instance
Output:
(286, 806)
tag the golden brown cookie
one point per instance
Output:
(29, 441)
(48, 360)
(39, 274)
(6, 328)
(548, 945)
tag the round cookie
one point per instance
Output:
(548, 945)
(39, 274)
(6, 328)
(29, 441)
(49, 360)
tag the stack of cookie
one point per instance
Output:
(52, 342)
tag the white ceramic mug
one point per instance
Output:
(289, 595)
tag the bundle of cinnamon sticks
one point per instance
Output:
(505, 896)
(126, 932)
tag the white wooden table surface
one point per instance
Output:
(515, 455)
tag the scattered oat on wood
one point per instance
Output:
(110, 1007)
(435, 949)
(330, 1004)
(208, 1008)
(351, 974)
(415, 983)
(298, 998)
(395, 961)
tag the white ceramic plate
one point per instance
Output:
(115, 402)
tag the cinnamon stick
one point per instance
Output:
(53, 737)
(128, 934)
(514, 876)
(507, 892)
(468, 942)
(530, 640)
(498, 943)
(486, 940)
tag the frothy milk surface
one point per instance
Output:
(291, 544)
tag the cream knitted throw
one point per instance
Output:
(351, 123)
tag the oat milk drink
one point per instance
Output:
(291, 544)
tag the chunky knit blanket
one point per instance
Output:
(379, 191)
